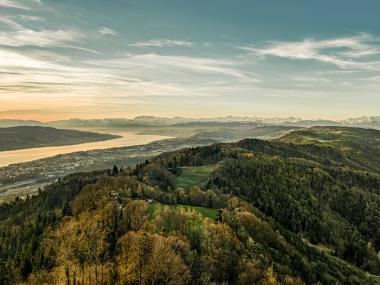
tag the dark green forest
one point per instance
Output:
(302, 209)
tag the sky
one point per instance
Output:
(63, 59)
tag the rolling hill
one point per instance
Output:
(20, 137)
(301, 209)
(360, 148)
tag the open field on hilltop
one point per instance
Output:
(195, 175)
(205, 212)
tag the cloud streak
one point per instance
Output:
(42, 38)
(342, 52)
(10, 22)
(187, 66)
(163, 43)
(13, 4)
(130, 76)
(30, 18)
(107, 31)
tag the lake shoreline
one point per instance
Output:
(124, 139)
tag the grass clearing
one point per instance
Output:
(195, 176)
(205, 212)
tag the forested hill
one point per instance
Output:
(304, 209)
(21, 137)
(359, 147)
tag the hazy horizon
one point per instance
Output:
(233, 117)
(95, 59)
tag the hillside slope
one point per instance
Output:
(252, 212)
(34, 136)
(359, 147)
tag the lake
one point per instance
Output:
(29, 154)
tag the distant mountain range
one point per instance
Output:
(152, 121)
(16, 123)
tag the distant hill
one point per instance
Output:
(34, 136)
(312, 123)
(97, 123)
(364, 122)
(359, 147)
(229, 134)
(14, 123)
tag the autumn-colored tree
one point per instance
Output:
(134, 215)
(152, 259)
(221, 250)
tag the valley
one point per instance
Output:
(276, 211)
(23, 171)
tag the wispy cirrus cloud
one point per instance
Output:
(10, 22)
(13, 22)
(131, 76)
(13, 4)
(156, 64)
(23, 74)
(30, 18)
(107, 31)
(344, 53)
(26, 73)
(162, 43)
(42, 38)
(11, 61)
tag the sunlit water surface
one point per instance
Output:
(29, 154)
